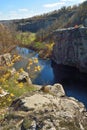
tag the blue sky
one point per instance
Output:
(16, 9)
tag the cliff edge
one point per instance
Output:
(46, 109)
(71, 47)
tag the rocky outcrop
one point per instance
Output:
(71, 47)
(24, 76)
(2, 92)
(12, 71)
(5, 59)
(36, 24)
(46, 109)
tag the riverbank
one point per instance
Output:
(29, 40)
(44, 51)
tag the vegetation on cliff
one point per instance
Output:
(15, 83)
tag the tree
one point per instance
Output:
(7, 39)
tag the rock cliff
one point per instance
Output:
(35, 25)
(71, 47)
(48, 108)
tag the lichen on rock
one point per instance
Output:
(46, 110)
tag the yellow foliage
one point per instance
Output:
(37, 68)
(35, 60)
(6, 75)
(16, 81)
(16, 58)
(9, 99)
(50, 46)
(21, 70)
(20, 85)
(12, 95)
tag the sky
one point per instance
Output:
(17, 9)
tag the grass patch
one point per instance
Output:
(39, 45)
(14, 89)
(26, 38)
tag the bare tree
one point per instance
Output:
(7, 39)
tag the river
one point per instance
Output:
(74, 82)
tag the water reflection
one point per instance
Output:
(26, 52)
(46, 75)
(74, 82)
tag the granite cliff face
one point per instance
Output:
(71, 47)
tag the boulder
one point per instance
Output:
(5, 59)
(3, 92)
(56, 89)
(24, 77)
(42, 110)
(12, 71)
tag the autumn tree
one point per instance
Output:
(7, 39)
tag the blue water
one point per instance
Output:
(46, 75)
(74, 82)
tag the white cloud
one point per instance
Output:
(62, 3)
(80, 1)
(15, 15)
(73, 1)
(67, 0)
(54, 4)
(23, 10)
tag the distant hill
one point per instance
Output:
(64, 17)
